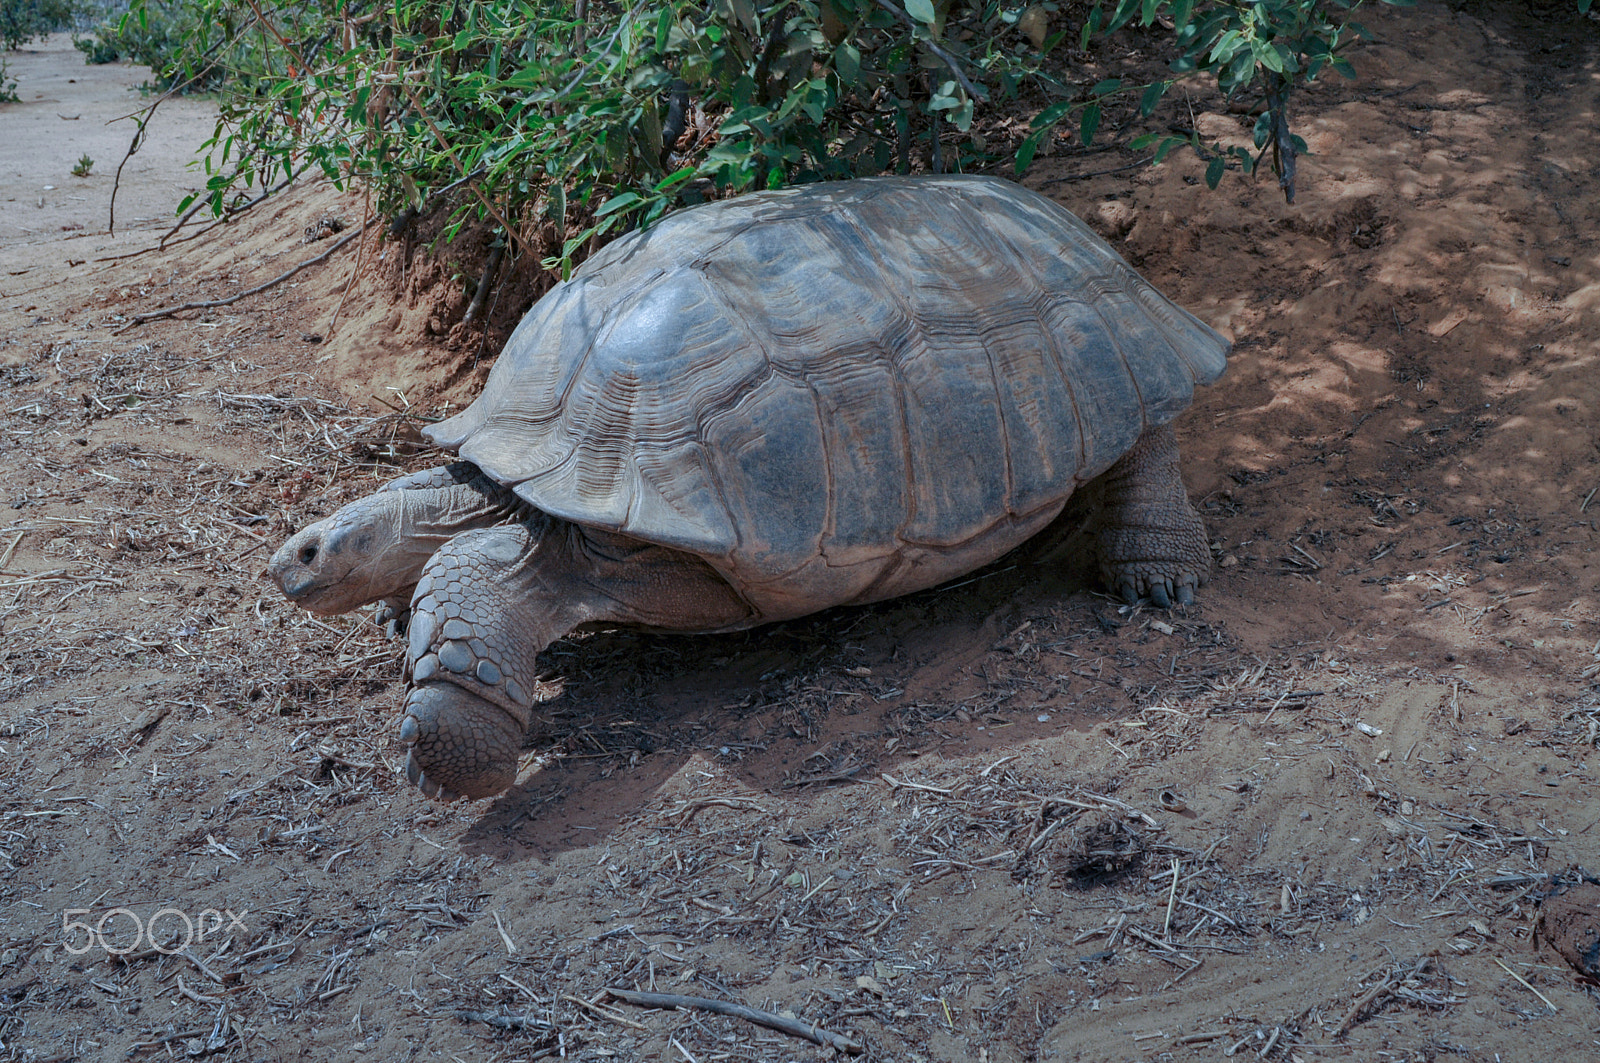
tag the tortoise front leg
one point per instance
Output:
(1152, 542)
(491, 599)
(475, 633)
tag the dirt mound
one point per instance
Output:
(1569, 920)
(1006, 819)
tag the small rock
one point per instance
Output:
(1035, 25)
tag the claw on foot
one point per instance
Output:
(428, 787)
(1163, 592)
(393, 616)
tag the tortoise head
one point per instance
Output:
(352, 558)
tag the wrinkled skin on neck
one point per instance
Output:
(376, 547)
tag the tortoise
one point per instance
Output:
(760, 408)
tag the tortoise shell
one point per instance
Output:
(837, 392)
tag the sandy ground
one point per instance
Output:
(69, 110)
(1339, 810)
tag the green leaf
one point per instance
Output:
(847, 61)
(1089, 123)
(1263, 129)
(1152, 96)
(1106, 87)
(739, 121)
(1214, 170)
(622, 202)
(1124, 12)
(1244, 65)
(962, 116)
(1226, 45)
(1028, 148)
(1051, 114)
(745, 12)
(922, 11)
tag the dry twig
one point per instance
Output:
(209, 304)
(793, 1027)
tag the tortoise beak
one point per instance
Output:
(290, 570)
(293, 588)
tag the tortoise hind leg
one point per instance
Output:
(1152, 542)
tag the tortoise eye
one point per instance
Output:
(308, 554)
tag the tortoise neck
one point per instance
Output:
(447, 511)
(422, 520)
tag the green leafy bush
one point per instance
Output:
(161, 34)
(568, 117)
(1255, 47)
(99, 48)
(23, 20)
(595, 119)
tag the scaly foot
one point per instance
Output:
(1152, 542)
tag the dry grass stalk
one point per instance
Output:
(1526, 984)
